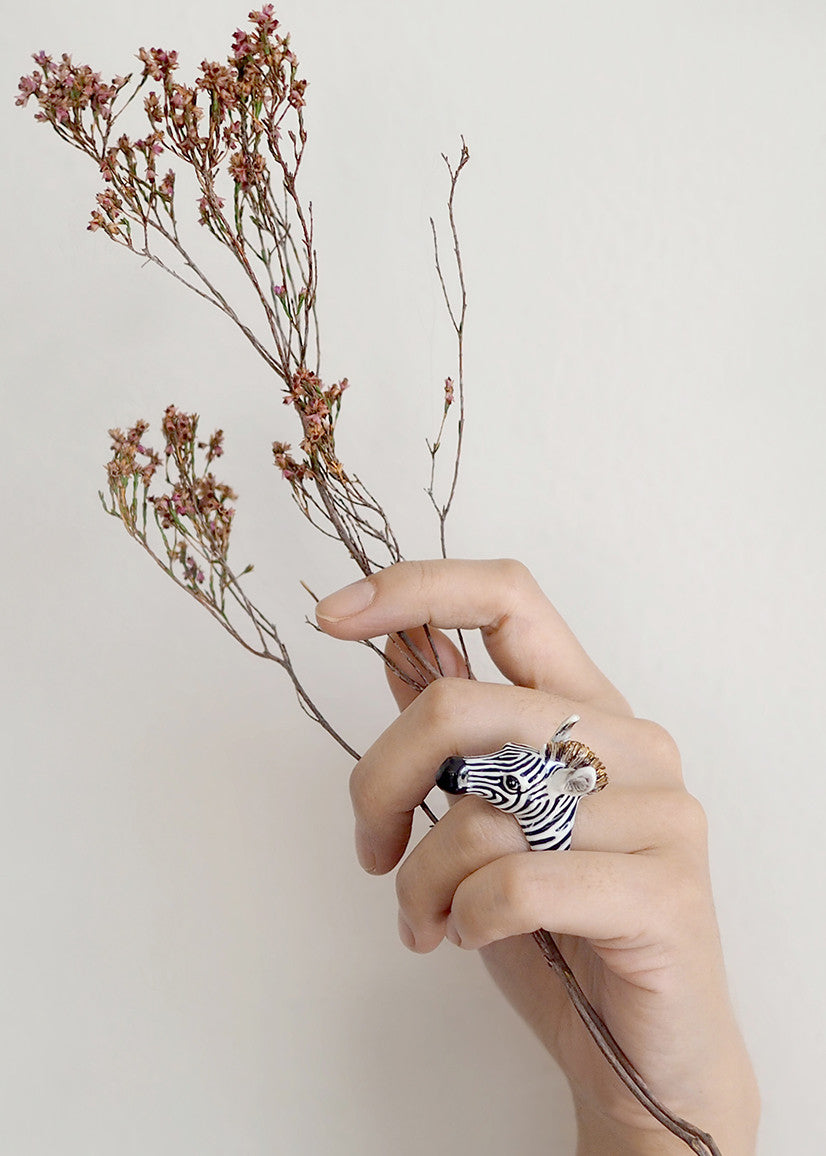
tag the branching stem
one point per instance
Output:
(252, 129)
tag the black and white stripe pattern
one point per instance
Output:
(541, 789)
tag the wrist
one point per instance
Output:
(596, 1138)
(730, 1116)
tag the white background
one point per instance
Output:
(192, 962)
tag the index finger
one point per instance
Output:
(524, 634)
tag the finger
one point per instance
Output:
(461, 717)
(437, 649)
(450, 717)
(473, 834)
(599, 896)
(636, 819)
(525, 636)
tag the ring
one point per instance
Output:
(541, 789)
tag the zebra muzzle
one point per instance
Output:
(452, 776)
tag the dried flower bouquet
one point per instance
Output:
(238, 133)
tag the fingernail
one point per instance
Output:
(364, 851)
(451, 933)
(405, 934)
(344, 603)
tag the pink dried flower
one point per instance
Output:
(163, 509)
(290, 469)
(246, 169)
(335, 391)
(66, 90)
(110, 202)
(221, 82)
(214, 447)
(265, 20)
(29, 86)
(153, 107)
(148, 471)
(191, 569)
(207, 205)
(313, 430)
(125, 465)
(178, 427)
(296, 97)
(241, 45)
(158, 64)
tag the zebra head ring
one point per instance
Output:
(541, 789)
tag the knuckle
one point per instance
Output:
(413, 579)
(514, 575)
(674, 818)
(471, 913)
(492, 903)
(678, 892)
(684, 819)
(406, 887)
(693, 820)
(515, 584)
(659, 746)
(362, 792)
(514, 887)
(684, 896)
(439, 702)
(414, 571)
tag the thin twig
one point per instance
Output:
(443, 510)
(256, 101)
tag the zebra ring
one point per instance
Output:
(541, 789)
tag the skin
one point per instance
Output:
(630, 904)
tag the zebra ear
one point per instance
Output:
(580, 781)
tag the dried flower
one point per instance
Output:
(221, 127)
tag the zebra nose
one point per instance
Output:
(452, 776)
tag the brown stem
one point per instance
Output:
(418, 657)
(433, 650)
(343, 506)
(459, 328)
(414, 683)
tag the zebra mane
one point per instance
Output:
(574, 755)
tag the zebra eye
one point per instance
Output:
(512, 784)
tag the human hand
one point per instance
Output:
(630, 904)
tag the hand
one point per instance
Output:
(630, 904)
